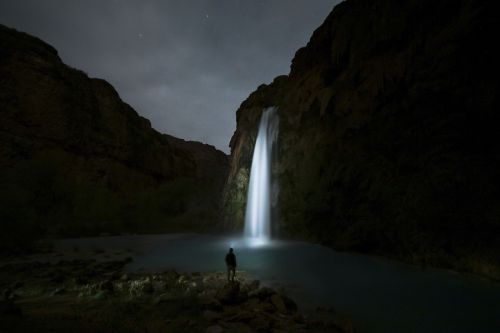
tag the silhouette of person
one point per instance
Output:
(231, 265)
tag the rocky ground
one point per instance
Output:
(82, 295)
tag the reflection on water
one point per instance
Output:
(379, 295)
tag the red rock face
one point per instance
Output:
(389, 139)
(76, 159)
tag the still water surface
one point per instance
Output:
(379, 295)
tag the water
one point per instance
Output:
(379, 295)
(258, 212)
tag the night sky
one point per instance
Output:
(185, 65)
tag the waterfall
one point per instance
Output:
(258, 212)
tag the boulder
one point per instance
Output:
(278, 303)
(262, 293)
(229, 293)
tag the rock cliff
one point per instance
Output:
(76, 160)
(389, 136)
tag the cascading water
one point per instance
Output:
(258, 212)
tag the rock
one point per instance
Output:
(298, 318)
(171, 275)
(237, 327)
(140, 287)
(266, 306)
(16, 285)
(80, 280)
(278, 303)
(128, 259)
(101, 295)
(262, 293)
(147, 287)
(182, 279)
(252, 303)
(7, 294)
(211, 315)
(165, 298)
(403, 137)
(106, 285)
(57, 278)
(59, 291)
(260, 324)
(116, 275)
(250, 287)
(90, 141)
(10, 308)
(214, 329)
(159, 285)
(290, 305)
(241, 316)
(211, 304)
(229, 293)
(253, 285)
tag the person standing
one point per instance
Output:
(231, 265)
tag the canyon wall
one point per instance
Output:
(389, 136)
(76, 160)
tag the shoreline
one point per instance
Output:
(90, 295)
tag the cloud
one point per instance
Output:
(185, 65)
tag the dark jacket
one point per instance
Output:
(231, 259)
